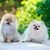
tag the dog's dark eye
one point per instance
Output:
(6, 20)
(10, 21)
(34, 25)
(38, 26)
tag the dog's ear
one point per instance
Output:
(31, 23)
(42, 23)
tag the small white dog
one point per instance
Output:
(8, 28)
(36, 32)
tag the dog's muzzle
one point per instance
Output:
(36, 28)
(8, 23)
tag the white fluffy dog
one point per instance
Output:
(36, 32)
(8, 28)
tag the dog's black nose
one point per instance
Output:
(8, 23)
(36, 28)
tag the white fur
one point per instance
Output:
(40, 35)
(9, 31)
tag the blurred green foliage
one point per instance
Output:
(8, 4)
(25, 14)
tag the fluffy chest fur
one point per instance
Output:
(7, 29)
(36, 34)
